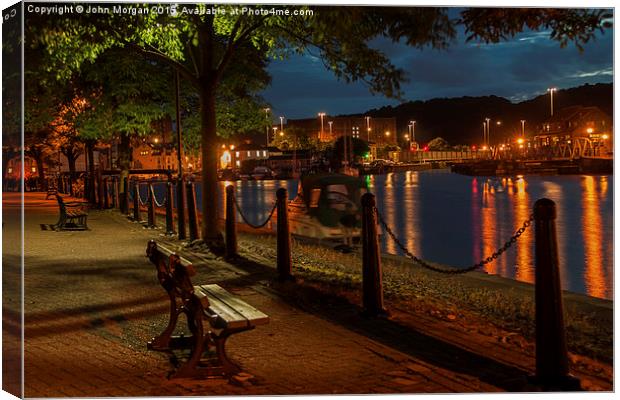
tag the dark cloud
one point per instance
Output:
(517, 69)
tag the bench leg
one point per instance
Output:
(228, 366)
(194, 323)
(162, 342)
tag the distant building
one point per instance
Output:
(583, 130)
(381, 131)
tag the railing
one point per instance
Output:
(552, 370)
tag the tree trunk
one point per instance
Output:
(71, 153)
(42, 182)
(91, 171)
(124, 162)
(210, 229)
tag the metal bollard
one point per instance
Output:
(181, 208)
(151, 207)
(372, 275)
(231, 222)
(114, 192)
(106, 194)
(285, 261)
(99, 190)
(192, 212)
(169, 211)
(136, 203)
(124, 205)
(551, 351)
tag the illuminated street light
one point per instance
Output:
(522, 127)
(520, 140)
(589, 130)
(321, 115)
(267, 125)
(412, 130)
(605, 137)
(488, 120)
(330, 128)
(551, 90)
(368, 128)
(281, 124)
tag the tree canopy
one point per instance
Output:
(210, 48)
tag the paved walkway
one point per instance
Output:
(92, 302)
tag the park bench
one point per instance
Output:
(73, 215)
(51, 192)
(224, 313)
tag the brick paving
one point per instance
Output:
(92, 302)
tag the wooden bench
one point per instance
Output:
(225, 314)
(51, 192)
(73, 215)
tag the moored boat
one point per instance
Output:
(323, 202)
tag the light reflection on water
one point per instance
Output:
(458, 220)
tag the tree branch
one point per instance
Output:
(233, 43)
(157, 55)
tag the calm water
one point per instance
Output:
(458, 220)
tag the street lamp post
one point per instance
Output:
(522, 128)
(551, 90)
(321, 115)
(488, 142)
(484, 133)
(412, 130)
(267, 124)
(281, 124)
(368, 129)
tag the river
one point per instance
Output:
(459, 220)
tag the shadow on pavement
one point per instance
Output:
(390, 333)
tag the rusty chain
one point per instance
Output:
(245, 220)
(513, 239)
(157, 203)
(142, 203)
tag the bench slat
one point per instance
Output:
(167, 253)
(233, 310)
(225, 315)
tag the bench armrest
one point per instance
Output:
(76, 204)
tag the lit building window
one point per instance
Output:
(236, 154)
(264, 153)
(249, 154)
(257, 153)
(238, 163)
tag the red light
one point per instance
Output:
(473, 147)
(425, 148)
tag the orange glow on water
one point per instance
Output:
(594, 275)
(522, 209)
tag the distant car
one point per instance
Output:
(261, 172)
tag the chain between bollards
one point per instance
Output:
(247, 222)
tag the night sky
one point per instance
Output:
(518, 69)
